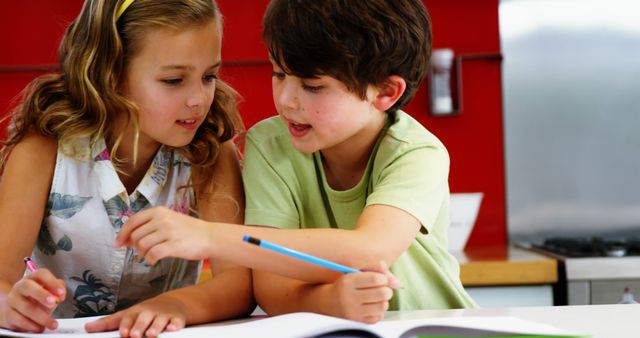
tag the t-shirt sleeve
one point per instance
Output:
(416, 182)
(269, 201)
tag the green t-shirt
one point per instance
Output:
(408, 169)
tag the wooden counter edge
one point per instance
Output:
(495, 273)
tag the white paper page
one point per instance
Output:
(464, 211)
(71, 327)
(454, 326)
(297, 325)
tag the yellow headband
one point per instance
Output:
(123, 8)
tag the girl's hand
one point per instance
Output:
(161, 232)
(29, 304)
(364, 296)
(147, 319)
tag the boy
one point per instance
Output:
(342, 155)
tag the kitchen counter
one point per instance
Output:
(505, 265)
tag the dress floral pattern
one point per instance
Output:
(87, 206)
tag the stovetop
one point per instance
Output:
(593, 257)
(590, 247)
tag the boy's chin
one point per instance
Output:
(305, 150)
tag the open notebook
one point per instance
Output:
(304, 324)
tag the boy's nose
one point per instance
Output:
(285, 97)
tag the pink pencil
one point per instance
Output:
(30, 264)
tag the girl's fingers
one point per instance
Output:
(158, 325)
(175, 324)
(34, 312)
(33, 291)
(56, 287)
(126, 323)
(18, 322)
(108, 323)
(142, 322)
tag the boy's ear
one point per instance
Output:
(389, 92)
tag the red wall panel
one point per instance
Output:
(474, 138)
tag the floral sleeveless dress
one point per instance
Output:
(87, 206)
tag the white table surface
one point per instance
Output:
(600, 321)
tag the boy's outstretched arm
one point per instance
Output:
(382, 233)
(360, 296)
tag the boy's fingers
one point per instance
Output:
(380, 267)
(135, 221)
(146, 242)
(383, 268)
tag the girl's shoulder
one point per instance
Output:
(33, 157)
(37, 147)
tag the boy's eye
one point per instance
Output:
(172, 81)
(278, 75)
(311, 88)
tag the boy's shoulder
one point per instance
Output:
(271, 136)
(408, 132)
(268, 130)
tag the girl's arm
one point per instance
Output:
(382, 233)
(228, 294)
(24, 190)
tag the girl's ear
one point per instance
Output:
(389, 92)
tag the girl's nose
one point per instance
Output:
(197, 95)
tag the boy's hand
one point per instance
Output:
(29, 304)
(364, 296)
(147, 319)
(161, 232)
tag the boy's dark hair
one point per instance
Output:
(359, 42)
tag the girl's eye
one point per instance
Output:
(278, 75)
(210, 78)
(172, 81)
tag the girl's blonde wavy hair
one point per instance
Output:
(83, 100)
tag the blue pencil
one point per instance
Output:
(299, 255)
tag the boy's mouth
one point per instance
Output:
(298, 129)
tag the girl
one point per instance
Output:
(135, 119)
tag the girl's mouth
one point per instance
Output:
(188, 124)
